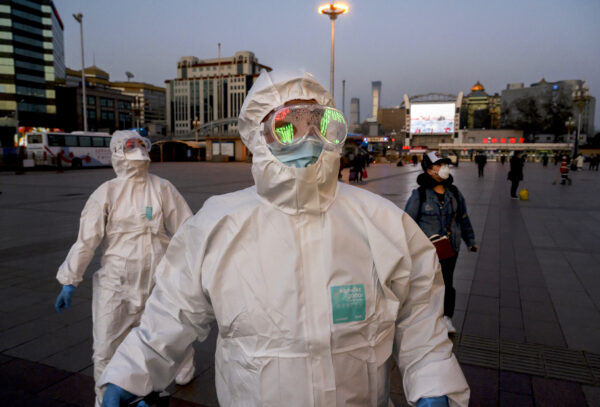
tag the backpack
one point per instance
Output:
(451, 188)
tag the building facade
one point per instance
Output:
(209, 93)
(108, 109)
(31, 61)
(375, 97)
(354, 113)
(543, 101)
(149, 105)
(480, 110)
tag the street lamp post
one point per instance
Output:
(333, 11)
(79, 18)
(581, 96)
(569, 124)
(196, 123)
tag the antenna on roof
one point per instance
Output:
(129, 75)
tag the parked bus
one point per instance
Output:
(77, 149)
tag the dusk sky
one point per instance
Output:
(413, 47)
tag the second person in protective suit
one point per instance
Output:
(314, 284)
(133, 216)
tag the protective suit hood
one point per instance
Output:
(123, 167)
(292, 190)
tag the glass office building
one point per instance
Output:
(31, 61)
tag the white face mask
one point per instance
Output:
(137, 155)
(444, 172)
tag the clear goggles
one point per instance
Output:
(135, 142)
(287, 125)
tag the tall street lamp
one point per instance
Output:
(79, 18)
(333, 11)
(569, 124)
(581, 96)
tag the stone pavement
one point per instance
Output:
(528, 303)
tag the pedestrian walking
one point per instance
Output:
(313, 284)
(545, 160)
(440, 210)
(515, 174)
(502, 159)
(579, 161)
(481, 160)
(415, 160)
(594, 160)
(358, 164)
(134, 215)
(564, 171)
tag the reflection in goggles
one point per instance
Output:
(286, 133)
(329, 115)
(133, 143)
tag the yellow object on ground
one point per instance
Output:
(524, 194)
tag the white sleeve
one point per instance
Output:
(408, 265)
(91, 232)
(176, 314)
(176, 210)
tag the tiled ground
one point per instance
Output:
(534, 286)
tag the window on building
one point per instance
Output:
(107, 115)
(30, 78)
(27, 16)
(91, 100)
(104, 102)
(91, 114)
(26, 91)
(28, 53)
(124, 105)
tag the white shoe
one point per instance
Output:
(449, 326)
(185, 375)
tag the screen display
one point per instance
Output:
(432, 118)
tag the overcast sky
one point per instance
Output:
(412, 46)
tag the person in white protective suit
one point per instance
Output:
(134, 216)
(314, 284)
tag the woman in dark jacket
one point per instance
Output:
(439, 209)
(515, 175)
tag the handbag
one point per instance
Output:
(364, 174)
(443, 247)
(442, 244)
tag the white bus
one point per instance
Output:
(77, 149)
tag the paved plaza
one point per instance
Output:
(528, 303)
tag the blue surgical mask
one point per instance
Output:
(300, 155)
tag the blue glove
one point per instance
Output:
(441, 401)
(64, 298)
(114, 396)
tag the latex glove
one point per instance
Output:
(115, 396)
(64, 298)
(473, 248)
(441, 401)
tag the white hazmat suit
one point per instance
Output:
(314, 285)
(134, 217)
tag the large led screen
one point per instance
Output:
(432, 118)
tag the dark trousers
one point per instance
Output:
(449, 292)
(513, 187)
(480, 168)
